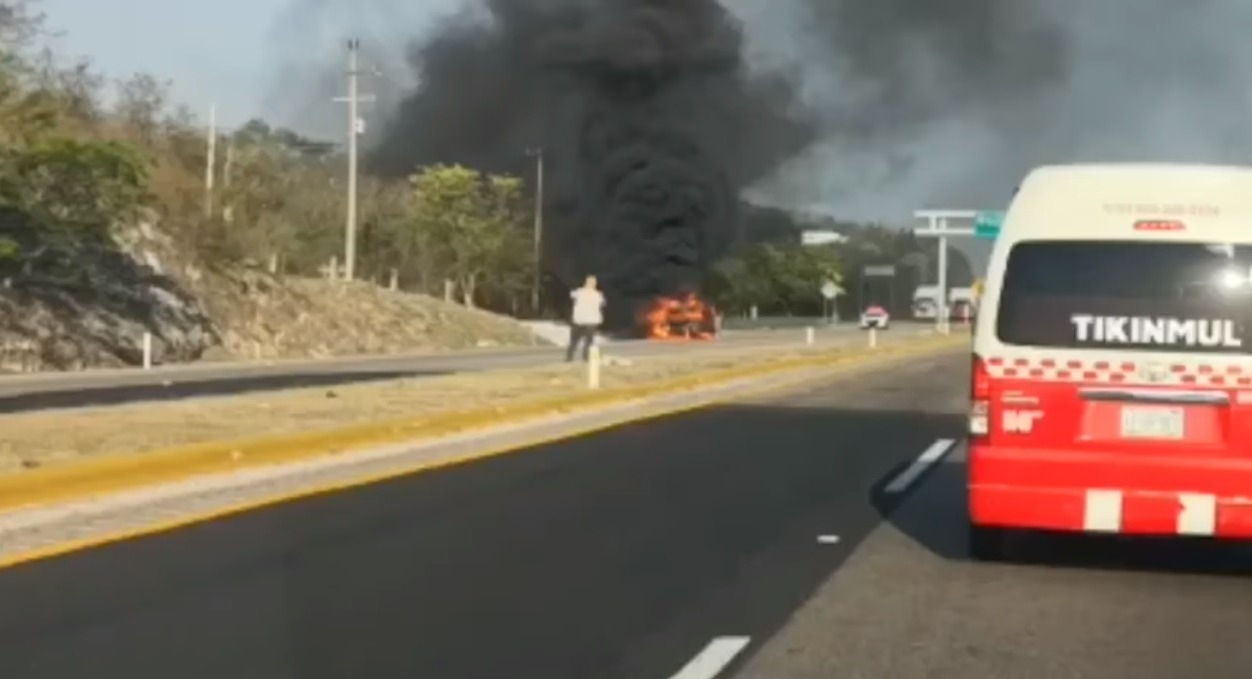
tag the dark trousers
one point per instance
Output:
(584, 334)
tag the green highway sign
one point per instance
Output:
(987, 224)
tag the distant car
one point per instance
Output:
(875, 317)
(963, 311)
(925, 309)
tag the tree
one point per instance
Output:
(20, 24)
(271, 199)
(75, 88)
(141, 103)
(387, 240)
(72, 184)
(774, 278)
(25, 113)
(474, 224)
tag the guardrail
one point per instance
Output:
(801, 322)
(778, 322)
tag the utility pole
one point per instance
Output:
(943, 280)
(227, 167)
(536, 281)
(355, 127)
(210, 164)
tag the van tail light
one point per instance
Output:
(979, 398)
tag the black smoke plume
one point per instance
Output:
(649, 121)
(921, 103)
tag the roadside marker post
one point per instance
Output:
(593, 367)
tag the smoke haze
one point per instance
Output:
(655, 114)
(948, 104)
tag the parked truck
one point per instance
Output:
(926, 302)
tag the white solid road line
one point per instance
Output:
(931, 455)
(713, 659)
(828, 539)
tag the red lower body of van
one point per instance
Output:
(1090, 491)
(1054, 455)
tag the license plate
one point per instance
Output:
(1153, 423)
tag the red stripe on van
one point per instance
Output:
(1116, 373)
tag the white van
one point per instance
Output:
(1112, 370)
(926, 302)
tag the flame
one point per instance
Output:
(685, 317)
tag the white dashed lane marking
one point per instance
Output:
(721, 651)
(713, 659)
(930, 456)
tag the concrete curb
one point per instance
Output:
(115, 473)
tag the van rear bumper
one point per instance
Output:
(1064, 490)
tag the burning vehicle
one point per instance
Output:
(683, 317)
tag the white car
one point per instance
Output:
(875, 317)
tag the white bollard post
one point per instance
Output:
(808, 336)
(873, 337)
(593, 367)
(147, 351)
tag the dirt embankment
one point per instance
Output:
(69, 304)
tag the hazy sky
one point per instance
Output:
(203, 48)
(226, 53)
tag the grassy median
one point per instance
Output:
(34, 440)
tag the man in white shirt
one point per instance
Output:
(585, 318)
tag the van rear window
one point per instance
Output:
(1185, 297)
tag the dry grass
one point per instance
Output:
(38, 439)
(291, 317)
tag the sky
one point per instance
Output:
(210, 56)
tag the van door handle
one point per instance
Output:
(1172, 396)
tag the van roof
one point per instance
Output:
(1146, 175)
(1138, 168)
(1099, 200)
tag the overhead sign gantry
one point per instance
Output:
(945, 224)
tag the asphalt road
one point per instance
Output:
(773, 529)
(23, 393)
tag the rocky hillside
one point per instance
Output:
(67, 303)
(259, 316)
